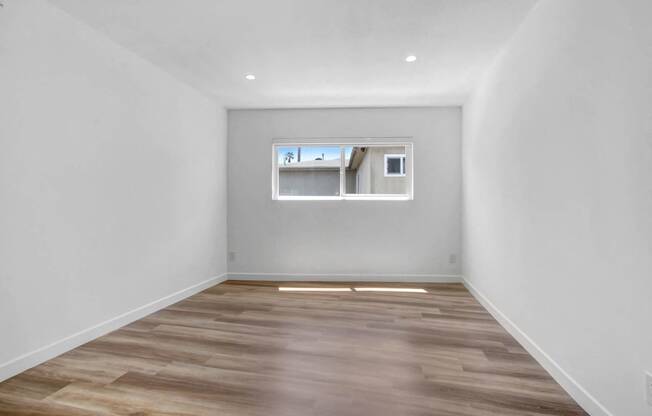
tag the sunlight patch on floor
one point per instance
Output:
(314, 289)
(389, 289)
(351, 289)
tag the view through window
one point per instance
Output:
(342, 171)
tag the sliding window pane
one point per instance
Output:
(308, 170)
(376, 170)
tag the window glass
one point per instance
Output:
(367, 170)
(308, 170)
(393, 166)
(343, 171)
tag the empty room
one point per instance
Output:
(326, 207)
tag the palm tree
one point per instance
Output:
(288, 157)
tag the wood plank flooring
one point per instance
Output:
(244, 348)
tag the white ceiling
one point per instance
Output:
(313, 53)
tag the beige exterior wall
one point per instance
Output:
(350, 181)
(371, 173)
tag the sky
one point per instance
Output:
(312, 152)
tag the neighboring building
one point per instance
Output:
(377, 170)
(369, 170)
(310, 178)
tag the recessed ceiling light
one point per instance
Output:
(250, 77)
(410, 58)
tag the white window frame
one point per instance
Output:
(342, 143)
(400, 156)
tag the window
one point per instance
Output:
(357, 170)
(309, 171)
(394, 165)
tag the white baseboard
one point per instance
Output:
(589, 403)
(353, 277)
(36, 357)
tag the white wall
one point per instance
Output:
(112, 182)
(407, 239)
(558, 193)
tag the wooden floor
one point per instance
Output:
(244, 348)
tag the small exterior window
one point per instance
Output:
(394, 165)
(350, 170)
